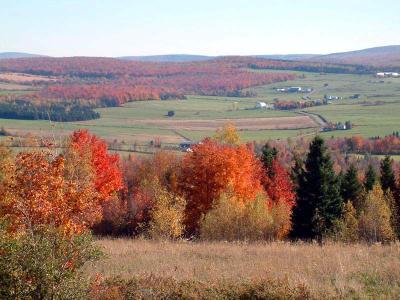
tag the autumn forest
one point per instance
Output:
(199, 150)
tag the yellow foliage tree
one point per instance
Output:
(227, 135)
(232, 220)
(346, 229)
(167, 214)
(375, 218)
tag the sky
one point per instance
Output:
(207, 27)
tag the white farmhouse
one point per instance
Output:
(261, 105)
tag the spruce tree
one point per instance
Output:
(297, 169)
(268, 156)
(319, 203)
(388, 180)
(370, 178)
(351, 187)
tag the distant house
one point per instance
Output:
(295, 89)
(187, 146)
(387, 74)
(263, 105)
(338, 126)
(329, 97)
(355, 96)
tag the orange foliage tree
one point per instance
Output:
(65, 191)
(38, 193)
(108, 176)
(211, 169)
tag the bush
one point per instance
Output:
(346, 229)
(167, 214)
(230, 220)
(44, 265)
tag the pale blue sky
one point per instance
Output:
(210, 27)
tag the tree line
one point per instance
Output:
(54, 110)
(223, 190)
(209, 193)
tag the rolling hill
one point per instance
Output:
(5, 55)
(168, 58)
(387, 56)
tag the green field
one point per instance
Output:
(118, 123)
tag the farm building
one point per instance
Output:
(387, 74)
(187, 146)
(263, 105)
(295, 89)
(330, 97)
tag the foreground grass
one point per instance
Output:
(333, 270)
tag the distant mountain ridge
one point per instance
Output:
(168, 58)
(5, 55)
(297, 57)
(385, 56)
(377, 56)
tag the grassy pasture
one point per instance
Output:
(119, 122)
(333, 270)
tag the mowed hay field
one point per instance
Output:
(369, 120)
(330, 271)
(145, 121)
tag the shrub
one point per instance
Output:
(346, 229)
(230, 220)
(167, 214)
(45, 265)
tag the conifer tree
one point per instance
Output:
(319, 203)
(351, 187)
(388, 180)
(370, 178)
(297, 170)
(268, 156)
(396, 196)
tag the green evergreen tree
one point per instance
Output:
(388, 180)
(319, 203)
(267, 157)
(351, 187)
(370, 178)
(297, 169)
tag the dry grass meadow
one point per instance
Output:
(330, 271)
